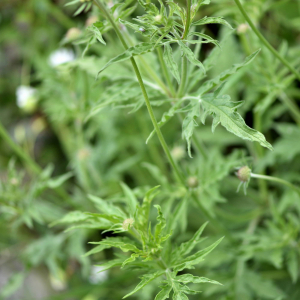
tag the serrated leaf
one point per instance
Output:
(187, 247)
(197, 257)
(146, 279)
(130, 259)
(164, 293)
(170, 61)
(138, 49)
(224, 112)
(71, 217)
(110, 264)
(95, 29)
(212, 20)
(189, 278)
(97, 249)
(190, 56)
(210, 84)
(161, 223)
(106, 207)
(111, 218)
(189, 123)
(115, 242)
(130, 198)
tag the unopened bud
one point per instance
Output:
(242, 28)
(158, 18)
(244, 174)
(178, 152)
(127, 223)
(73, 34)
(192, 182)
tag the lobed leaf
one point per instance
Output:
(146, 279)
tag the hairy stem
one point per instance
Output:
(265, 42)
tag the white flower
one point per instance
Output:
(61, 56)
(26, 98)
(96, 277)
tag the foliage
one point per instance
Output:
(115, 172)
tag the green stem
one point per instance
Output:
(142, 86)
(188, 19)
(29, 162)
(32, 165)
(165, 71)
(183, 77)
(276, 179)
(153, 119)
(265, 42)
(292, 106)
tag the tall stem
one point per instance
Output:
(265, 42)
(153, 119)
(142, 86)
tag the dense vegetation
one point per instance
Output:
(112, 159)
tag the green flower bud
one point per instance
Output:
(244, 174)
(127, 223)
(192, 182)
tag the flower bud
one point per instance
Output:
(242, 28)
(192, 182)
(127, 224)
(244, 174)
(178, 152)
(73, 34)
(157, 18)
(91, 20)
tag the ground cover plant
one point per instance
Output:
(150, 149)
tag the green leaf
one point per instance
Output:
(130, 259)
(186, 51)
(97, 249)
(71, 217)
(111, 218)
(130, 198)
(161, 223)
(95, 29)
(146, 279)
(164, 293)
(117, 243)
(210, 84)
(224, 112)
(180, 296)
(13, 284)
(170, 61)
(186, 248)
(189, 278)
(106, 207)
(293, 265)
(197, 257)
(138, 49)
(189, 123)
(58, 181)
(110, 264)
(212, 20)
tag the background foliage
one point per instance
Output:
(81, 166)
